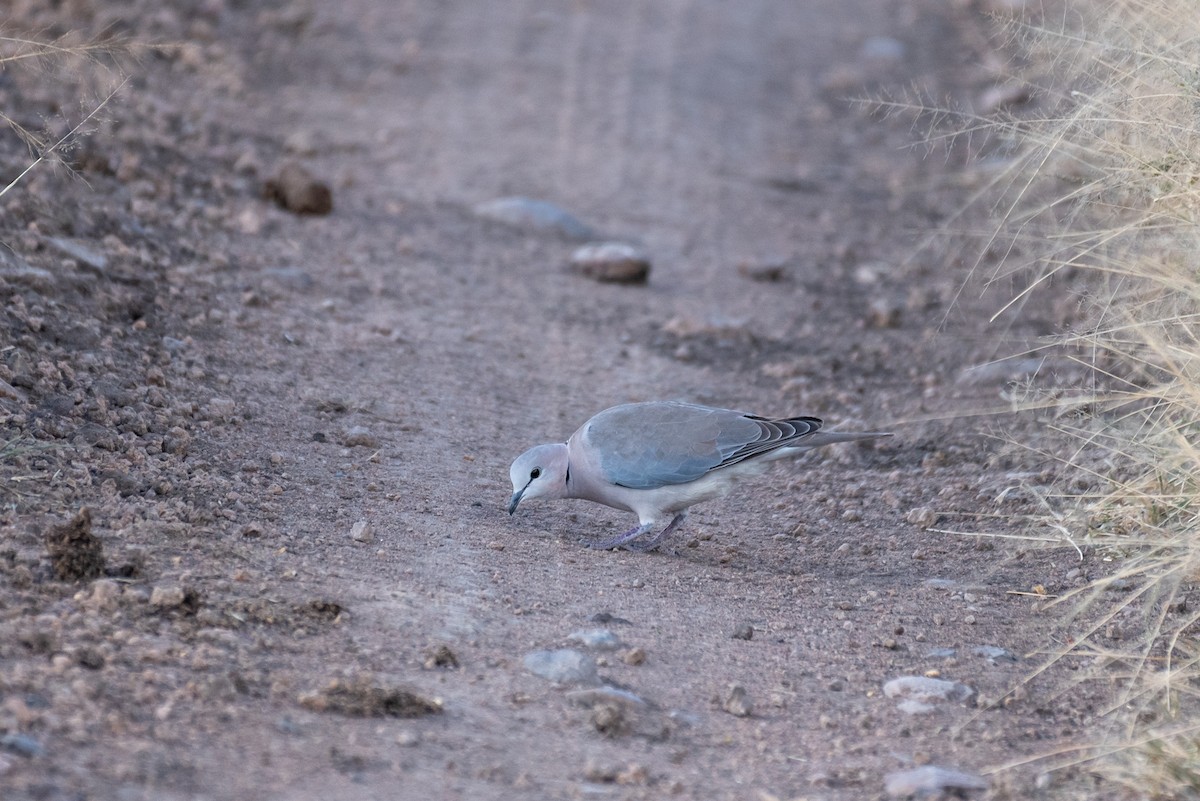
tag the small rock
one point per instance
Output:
(22, 745)
(90, 658)
(634, 656)
(177, 441)
(884, 313)
(922, 517)
(359, 436)
(725, 330)
(599, 639)
(769, 272)
(931, 781)
(132, 566)
(745, 631)
(247, 163)
(926, 690)
(295, 189)
(362, 531)
(611, 720)
(440, 656)
(994, 654)
(612, 262)
(407, 739)
(563, 666)
(604, 618)
(104, 594)
(167, 596)
(737, 702)
(537, 215)
(221, 409)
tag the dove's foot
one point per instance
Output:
(650, 543)
(620, 540)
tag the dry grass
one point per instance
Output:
(92, 68)
(1108, 185)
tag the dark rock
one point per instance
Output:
(612, 263)
(297, 190)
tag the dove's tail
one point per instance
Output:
(831, 437)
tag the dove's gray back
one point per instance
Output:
(650, 445)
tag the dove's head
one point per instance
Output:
(539, 472)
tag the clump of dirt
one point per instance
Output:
(441, 656)
(610, 720)
(362, 696)
(320, 609)
(296, 190)
(75, 552)
(275, 613)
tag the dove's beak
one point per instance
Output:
(516, 499)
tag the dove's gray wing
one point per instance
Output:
(650, 445)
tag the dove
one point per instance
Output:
(659, 458)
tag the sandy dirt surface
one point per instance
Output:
(228, 388)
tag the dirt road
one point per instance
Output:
(385, 363)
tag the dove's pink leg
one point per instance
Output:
(657, 540)
(619, 540)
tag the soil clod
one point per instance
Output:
(75, 552)
(367, 698)
(296, 189)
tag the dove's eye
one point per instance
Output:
(537, 471)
